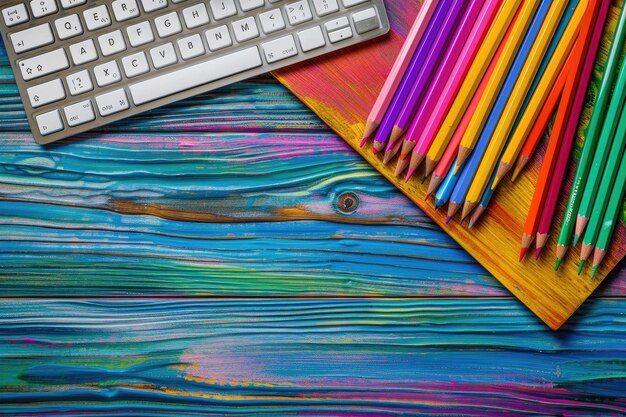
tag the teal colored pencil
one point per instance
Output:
(591, 139)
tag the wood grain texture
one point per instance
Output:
(351, 83)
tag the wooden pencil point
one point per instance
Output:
(407, 148)
(503, 169)
(581, 265)
(396, 134)
(370, 128)
(527, 240)
(416, 160)
(476, 215)
(401, 166)
(453, 208)
(542, 239)
(468, 207)
(462, 156)
(538, 253)
(561, 250)
(378, 146)
(519, 166)
(434, 183)
(585, 251)
(557, 264)
(598, 257)
(391, 152)
(522, 254)
(430, 167)
(581, 224)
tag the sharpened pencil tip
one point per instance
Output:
(374, 150)
(594, 269)
(581, 265)
(495, 183)
(471, 223)
(522, 254)
(364, 141)
(448, 219)
(538, 253)
(557, 264)
(409, 174)
(576, 237)
(428, 194)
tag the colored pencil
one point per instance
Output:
(602, 197)
(399, 69)
(474, 76)
(484, 203)
(547, 168)
(579, 85)
(505, 124)
(538, 99)
(525, 32)
(446, 160)
(607, 136)
(442, 76)
(450, 90)
(416, 64)
(611, 217)
(539, 129)
(591, 138)
(432, 64)
(447, 186)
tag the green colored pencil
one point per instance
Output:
(591, 137)
(611, 216)
(603, 193)
(607, 137)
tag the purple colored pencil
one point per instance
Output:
(460, 33)
(417, 62)
(429, 68)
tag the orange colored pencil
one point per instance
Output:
(574, 64)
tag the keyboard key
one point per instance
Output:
(190, 47)
(46, 93)
(152, 5)
(272, 21)
(324, 7)
(43, 8)
(111, 43)
(113, 102)
(245, 29)
(107, 73)
(44, 64)
(125, 9)
(218, 38)
(68, 26)
(195, 16)
(350, 3)
(247, 5)
(195, 75)
(311, 38)
(365, 21)
(223, 8)
(68, 4)
(49, 122)
(167, 25)
(340, 35)
(79, 82)
(335, 24)
(279, 49)
(163, 55)
(83, 52)
(32, 38)
(79, 113)
(15, 15)
(298, 12)
(97, 17)
(140, 34)
(135, 64)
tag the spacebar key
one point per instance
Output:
(195, 75)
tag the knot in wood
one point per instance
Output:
(347, 202)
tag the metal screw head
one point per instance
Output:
(347, 202)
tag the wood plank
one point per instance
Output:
(327, 85)
(334, 357)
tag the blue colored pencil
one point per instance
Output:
(445, 189)
(484, 201)
(457, 198)
(417, 62)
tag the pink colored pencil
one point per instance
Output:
(399, 68)
(441, 76)
(452, 150)
(560, 170)
(450, 90)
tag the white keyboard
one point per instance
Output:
(80, 64)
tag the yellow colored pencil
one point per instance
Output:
(540, 95)
(514, 104)
(473, 78)
(485, 105)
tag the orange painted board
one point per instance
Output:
(342, 87)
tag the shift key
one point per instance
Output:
(44, 64)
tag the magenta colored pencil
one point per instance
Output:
(560, 170)
(417, 62)
(449, 92)
(430, 66)
(443, 70)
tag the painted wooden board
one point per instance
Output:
(342, 88)
(460, 357)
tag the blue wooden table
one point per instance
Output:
(230, 255)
